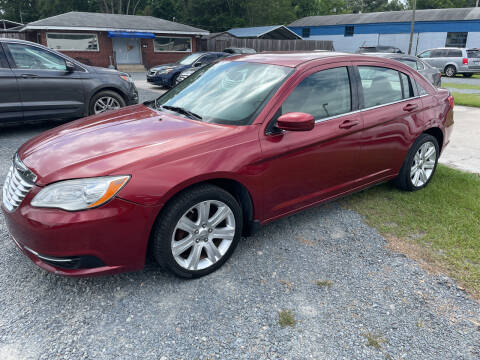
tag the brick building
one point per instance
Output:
(112, 39)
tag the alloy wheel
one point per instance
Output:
(106, 103)
(203, 235)
(423, 164)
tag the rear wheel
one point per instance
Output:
(197, 231)
(450, 71)
(419, 166)
(467, 75)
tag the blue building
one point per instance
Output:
(433, 28)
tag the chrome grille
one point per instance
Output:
(17, 185)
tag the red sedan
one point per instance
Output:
(238, 144)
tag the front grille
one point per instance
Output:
(17, 185)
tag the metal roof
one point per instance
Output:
(273, 32)
(106, 22)
(391, 17)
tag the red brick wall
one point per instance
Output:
(101, 58)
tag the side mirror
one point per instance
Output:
(198, 64)
(296, 121)
(70, 67)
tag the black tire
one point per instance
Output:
(467, 75)
(105, 93)
(404, 181)
(166, 222)
(450, 71)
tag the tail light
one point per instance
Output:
(465, 61)
(451, 102)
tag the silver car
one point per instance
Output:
(429, 72)
(452, 61)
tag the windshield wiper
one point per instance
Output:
(183, 111)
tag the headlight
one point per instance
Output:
(166, 71)
(80, 194)
(126, 77)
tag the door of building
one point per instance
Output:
(127, 50)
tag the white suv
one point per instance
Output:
(452, 61)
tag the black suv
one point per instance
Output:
(37, 83)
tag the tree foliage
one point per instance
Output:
(214, 15)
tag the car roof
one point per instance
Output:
(290, 59)
(395, 55)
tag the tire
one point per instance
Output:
(117, 101)
(405, 180)
(467, 75)
(191, 238)
(450, 71)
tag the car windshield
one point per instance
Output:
(190, 59)
(230, 92)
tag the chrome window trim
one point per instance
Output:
(369, 108)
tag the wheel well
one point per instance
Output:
(437, 134)
(115, 90)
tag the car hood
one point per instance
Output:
(103, 70)
(116, 143)
(169, 66)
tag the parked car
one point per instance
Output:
(39, 83)
(237, 51)
(166, 75)
(240, 143)
(379, 49)
(452, 61)
(433, 75)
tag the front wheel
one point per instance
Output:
(450, 71)
(106, 101)
(420, 164)
(197, 231)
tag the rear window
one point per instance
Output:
(473, 53)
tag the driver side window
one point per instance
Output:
(30, 57)
(323, 94)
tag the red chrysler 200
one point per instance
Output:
(238, 144)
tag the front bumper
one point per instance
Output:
(132, 97)
(162, 80)
(110, 239)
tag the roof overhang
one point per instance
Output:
(131, 34)
(74, 28)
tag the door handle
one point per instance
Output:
(347, 124)
(410, 107)
(28, 76)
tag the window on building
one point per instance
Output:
(181, 44)
(349, 30)
(456, 39)
(323, 94)
(74, 42)
(305, 32)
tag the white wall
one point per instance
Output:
(427, 40)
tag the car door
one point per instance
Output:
(391, 113)
(302, 168)
(10, 103)
(47, 89)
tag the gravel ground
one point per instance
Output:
(233, 313)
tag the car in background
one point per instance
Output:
(238, 51)
(452, 61)
(37, 83)
(433, 75)
(238, 144)
(379, 49)
(166, 75)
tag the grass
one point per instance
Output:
(439, 226)
(466, 99)
(460, 86)
(286, 318)
(375, 341)
(326, 283)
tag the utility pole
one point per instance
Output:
(412, 25)
(476, 4)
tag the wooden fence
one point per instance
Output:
(12, 35)
(266, 44)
